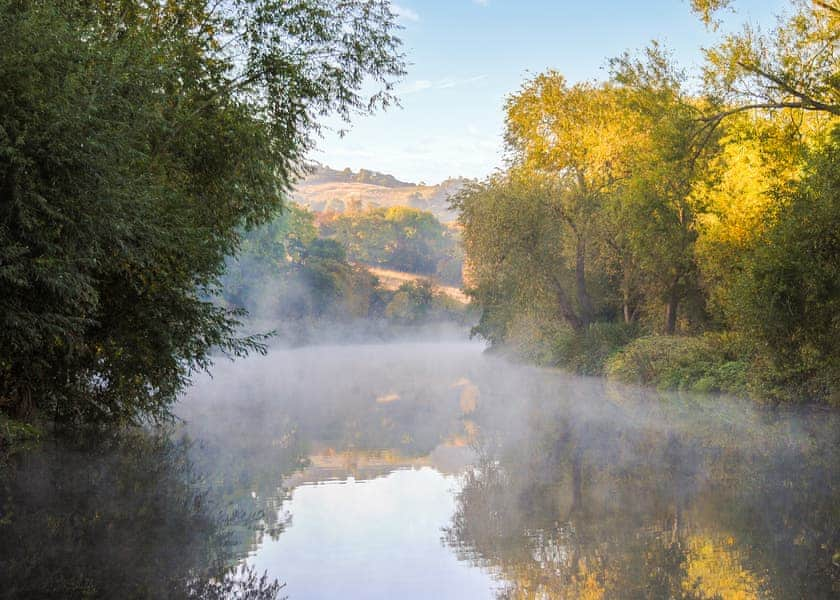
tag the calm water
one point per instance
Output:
(432, 471)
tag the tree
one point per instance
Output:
(136, 140)
(264, 257)
(655, 205)
(616, 165)
(398, 237)
(518, 253)
(786, 291)
(766, 251)
(796, 67)
(576, 136)
(756, 158)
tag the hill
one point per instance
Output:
(326, 189)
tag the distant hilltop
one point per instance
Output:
(327, 189)
(323, 174)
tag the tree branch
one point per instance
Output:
(827, 6)
(808, 103)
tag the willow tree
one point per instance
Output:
(580, 138)
(136, 140)
(515, 247)
(656, 207)
(794, 67)
(623, 157)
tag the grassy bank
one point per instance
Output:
(16, 436)
(711, 362)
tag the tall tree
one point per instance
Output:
(576, 136)
(136, 140)
(655, 204)
(795, 67)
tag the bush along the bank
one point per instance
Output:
(704, 363)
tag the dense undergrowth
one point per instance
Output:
(710, 362)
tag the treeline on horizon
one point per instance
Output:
(666, 235)
(324, 174)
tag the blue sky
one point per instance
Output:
(466, 56)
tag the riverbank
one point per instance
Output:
(15, 435)
(711, 362)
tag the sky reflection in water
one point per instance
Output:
(540, 484)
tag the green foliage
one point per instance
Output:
(299, 284)
(326, 250)
(15, 435)
(411, 303)
(707, 363)
(285, 273)
(588, 352)
(121, 196)
(399, 238)
(596, 215)
(787, 291)
(654, 212)
(795, 66)
(634, 200)
(518, 252)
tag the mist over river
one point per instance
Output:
(434, 470)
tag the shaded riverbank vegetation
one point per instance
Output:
(138, 140)
(663, 234)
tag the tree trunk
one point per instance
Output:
(628, 312)
(567, 311)
(671, 313)
(583, 299)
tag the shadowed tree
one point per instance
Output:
(137, 139)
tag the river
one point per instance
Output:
(432, 470)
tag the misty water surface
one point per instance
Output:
(432, 470)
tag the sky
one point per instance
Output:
(466, 56)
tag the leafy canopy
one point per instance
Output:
(136, 140)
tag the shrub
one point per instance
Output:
(707, 363)
(587, 353)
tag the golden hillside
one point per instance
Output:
(340, 191)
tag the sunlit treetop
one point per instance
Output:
(795, 66)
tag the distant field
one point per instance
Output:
(319, 195)
(391, 280)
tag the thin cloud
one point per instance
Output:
(416, 86)
(441, 84)
(405, 13)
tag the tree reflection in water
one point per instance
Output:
(126, 517)
(580, 490)
(654, 498)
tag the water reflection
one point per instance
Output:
(375, 538)
(432, 470)
(655, 497)
(123, 517)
